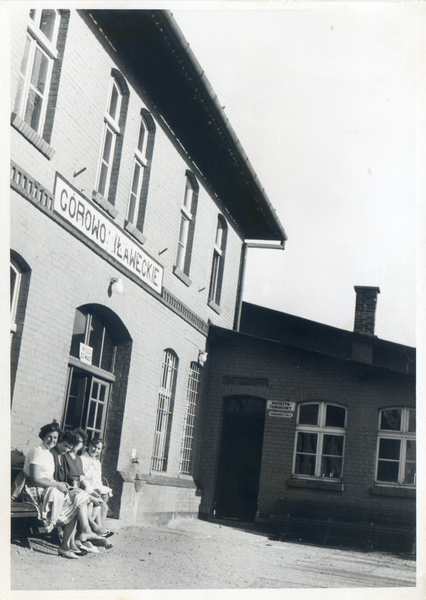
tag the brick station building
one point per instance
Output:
(132, 205)
(310, 430)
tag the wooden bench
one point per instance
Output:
(347, 526)
(23, 510)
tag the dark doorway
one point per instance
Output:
(240, 458)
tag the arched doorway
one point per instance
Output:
(98, 368)
(240, 458)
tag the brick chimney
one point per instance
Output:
(365, 309)
(365, 315)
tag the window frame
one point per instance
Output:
(111, 125)
(185, 221)
(185, 463)
(218, 262)
(321, 430)
(164, 414)
(404, 436)
(140, 160)
(14, 299)
(37, 41)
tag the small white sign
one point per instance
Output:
(284, 415)
(86, 354)
(280, 405)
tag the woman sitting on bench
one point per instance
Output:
(56, 503)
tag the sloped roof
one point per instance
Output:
(156, 52)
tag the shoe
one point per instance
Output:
(80, 552)
(103, 543)
(66, 553)
(107, 534)
(88, 547)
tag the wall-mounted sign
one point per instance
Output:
(284, 415)
(280, 405)
(86, 353)
(77, 210)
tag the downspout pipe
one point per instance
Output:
(240, 289)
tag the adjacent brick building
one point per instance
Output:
(132, 205)
(310, 429)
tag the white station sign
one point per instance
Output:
(91, 222)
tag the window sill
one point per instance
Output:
(134, 232)
(103, 203)
(181, 275)
(215, 307)
(325, 485)
(33, 137)
(396, 492)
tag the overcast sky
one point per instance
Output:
(324, 104)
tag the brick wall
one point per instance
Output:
(246, 366)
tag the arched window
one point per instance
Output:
(39, 76)
(141, 171)
(166, 399)
(112, 140)
(396, 447)
(188, 212)
(15, 284)
(219, 250)
(91, 373)
(20, 275)
(189, 420)
(320, 440)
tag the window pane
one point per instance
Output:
(95, 339)
(33, 110)
(25, 57)
(91, 417)
(333, 445)
(132, 207)
(78, 334)
(411, 419)
(308, 414)
(108, 352)
(183, 232)
(107, 147)
(99, 417)
(114, 102)
(331, 467)
(136, 175)
(39, 72)
(410, 472)
(388, 471)
(219, 234)
(141, 139)
(335, 416)
(13, 278)
(307, 442)
(47, 23)
(391, 419)
(187, 201)
(305, 464)
(389, 449)
(411, 450)
(103, 179)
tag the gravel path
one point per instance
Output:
(192, 554)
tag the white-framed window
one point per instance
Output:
(320, 440)
(218, 261)
(189, 420)
(109, 137)
(36, 67)
(15, 285)
(396, 447)
(163, 424)
(140, 162)
(186, 218)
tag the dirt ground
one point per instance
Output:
(192, 554)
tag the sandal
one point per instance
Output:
(107, 534)
(66, 553)
(88, 547)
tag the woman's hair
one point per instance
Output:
(81, 433)
(97, 440)
(68, 436)
(51, 427)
